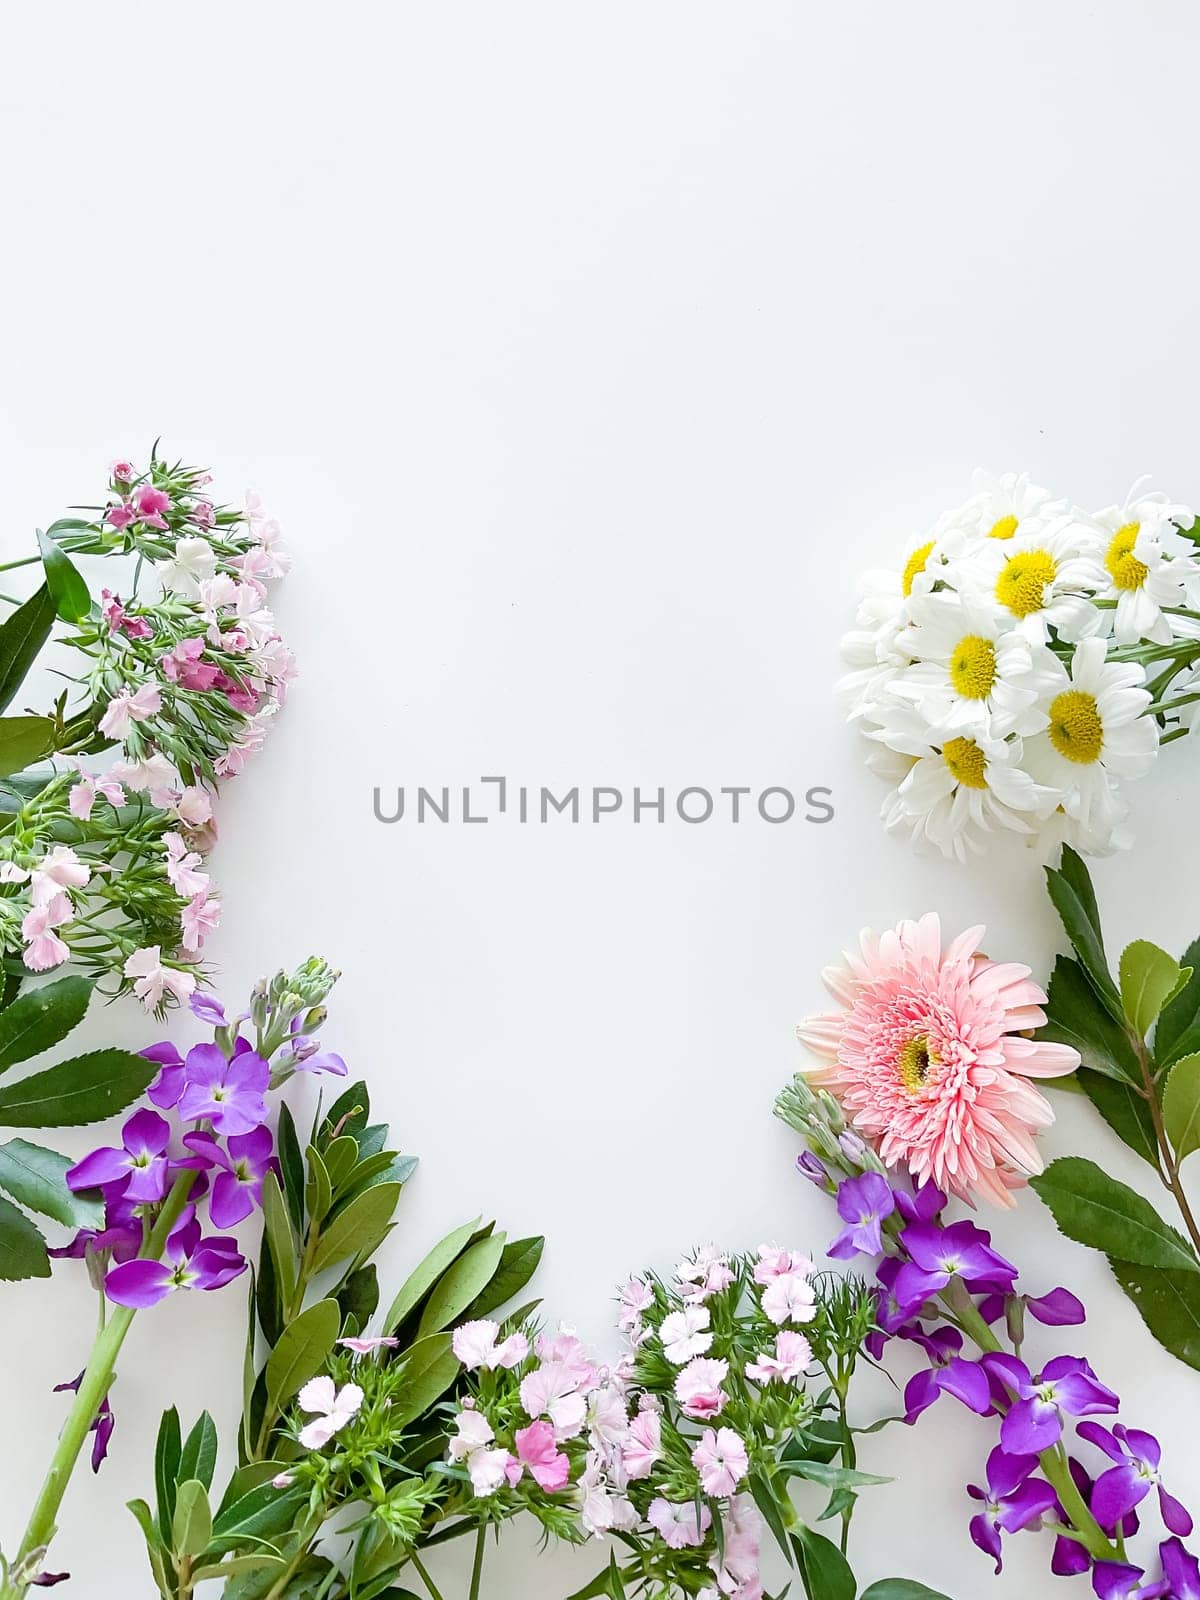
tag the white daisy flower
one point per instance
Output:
(975, 669)
(999, 509)
(1039, 580)
(1144, 566)
(1096, 732)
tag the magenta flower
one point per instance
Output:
(951, 1374)
(1181, 1569)
(142, 1162)
(940, 1254)
(149, 504)
(1012, 1500)
(1067, 1385)
(537, 1450)
(192, 1262)
(102, 1426)
(245, 1162)
(228, 1093)
(862, 1204)
(1126, 1485)
(1114, 1580)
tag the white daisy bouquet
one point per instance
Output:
(1028, 658)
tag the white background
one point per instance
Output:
(588, 352)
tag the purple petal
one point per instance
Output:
(206, 1148)
(1113, 1580)
(146, 1133)
(1006, 1473)
(914, 1285)
(1033, 1499)
(138, 1284)
(1116, 1493)
(986, 1535)
(206, 1065)
(249, 1073)
(844, 1247)
(1014, 1372)
(165, 1054)
(103, 1430)
(214, 1268)
(1175, 1514)
(102, 1166)
(231, 1201)
(1182, 1569)
(1096, 1433)
(208, 1008)
(324, 1061)
(1069, 1558)
(47, 1580)
(809, 1167)
(1058, 1309)
(920, 1392)
(1142, 1446)
(167, 1087)
(255, 1147)
(967, 1382)
(147, 1185)
(1031, 1426)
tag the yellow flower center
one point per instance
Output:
(914, 566)
(1126, 571)
(973, 667)
(1004, 529)
(913, 1064)
(965, 762)
(1076, 728)
(1022, 584)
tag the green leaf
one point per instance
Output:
(318, 1191)
(426, 1274)
(1074, 898)
(518, 1263)
(1075, 1016)
(302, 1351)
(85, 1089)
(827, 1574)
(901, 1589)
(349, 1112)
(831, 1477)
(21, 637)
(1096, 1210)
(167, 1450)
(233, 1565)
(1149, 978)
(24, 740)
(69, 592)
(192, 1526)
(291, 1162)
(154, 1546)
(1181, 1106)
(260, 1513)
(198, 1458)
(280, 1238)
(1126, 1111)
(1178, 1030)
(1168, 1303)
(462, 1283)
(41, 1017)
(430, 1367)
(22, 1248)
(385, 1167)
(358, 1297)
(36, 1178)
(339, 1159)
(358, 1229)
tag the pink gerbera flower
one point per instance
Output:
(930, 1061)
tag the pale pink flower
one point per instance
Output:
(929, 1058)
(367, 1347)
(636, 1297)
(183, 665)
(83, 795)
(685, 1334)
(642, 1445)
(789, 1298)
(474, 1432)
(60, 869)
(194, 806)
(607, 1418)
(737, 1568)
(551, 1391)
(698, 1388)
(600, 1508)
(537, 1449)
(198, 919)
(705, 1272)
(123, 471)
(721, 1460)
(181, 864)
(568, 1351)
(488, 1469)
(790, 1359)
(153, 980)
(283, 1480)
(773, 1262)
(154, 773)
(331, 1409)
(204, 514)
(44, 948)
(676, 1524)
(128, 707)
(478, 1344)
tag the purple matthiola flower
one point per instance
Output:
(949, 1374)
(1127, 1484)
(1012, 1500)
(208, 1008)
(191, 1263)
(121, 1235)
(168, 1086)
(1181, 1570)
(862, 1203)
(102, 1424)
(940, 1254)
(1058, 1309)
(1065, 1385)
(245, 1162)
(1113, 1580)
(925, 1204)
(142, 1163)
(227, 1093)
(809, 1167)
(890, 1316)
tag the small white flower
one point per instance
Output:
(474, 1433)
(685, 1334)
(193, 563)
(789, 1298)
(1039, 581)
(1143, 565)
(478, 1344)
(330, 1407)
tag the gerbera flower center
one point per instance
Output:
(913, 1063)
(1124, 568)
(1021, 586)
(1004, 529)
(973, 667)
(914, 566)
(965, 762)
(1076, 727)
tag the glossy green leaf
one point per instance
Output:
(1074, 898)
(901, 1589)
(24, 740)
(1149, 978)
(827, 1574)
(1125, 1110)
(198, 1458)
(191, 1528)
(21, 638)
(1075, 1016)
(85, 1089)
(1181, 1106)
(67, 589)
(37, 1179)
(318, 1191)
(1168, 1303)
(463, 1282)
(430, 1367)
(348, 1114)
(168, 1448)
(426, 1274)
(831, 1477)
(302, 1351)
(518, 1262)
(22, 1248)
(1094, 1209)
(340, 1158)
(234, 1566)
(259, 1513)
(281, 1240)
(291, 1162)
(358, 1297)
(384, 1167)
(1178, 1030)
(41, 1017)
(358, 1228)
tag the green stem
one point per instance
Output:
(96, 1382)
(1169, 1167)
(477, 1564)
(25, 561)
(434, 1591)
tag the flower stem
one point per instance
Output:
(1169, 1168)
(434, 1591)
(96, 1382)
(477, 1564)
